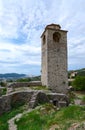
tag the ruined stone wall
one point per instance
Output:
(9, 101)
(32, 98)
(24, 84)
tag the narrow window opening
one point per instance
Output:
(44, 40)
(56, 37)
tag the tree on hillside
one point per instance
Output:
(3, 84)
(79, 83)
(24, 80)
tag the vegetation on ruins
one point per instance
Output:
(6, 116)
(47, 116)
(3, 91)
(39, 87)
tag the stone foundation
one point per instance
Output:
(32, 98)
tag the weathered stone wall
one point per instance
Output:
(54, 60)
(59, 98)
(32, 98)
(5, 104)
(24, 84)
(44, 60)
(12, 100)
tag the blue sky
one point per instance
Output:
(22, 23)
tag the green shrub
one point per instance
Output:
(83, 99)
(4, 91)
(3, 84)
(79, 83)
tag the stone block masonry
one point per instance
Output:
(32, 98)
(54, 59)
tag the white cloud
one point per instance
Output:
(23, 21)
(19, 54)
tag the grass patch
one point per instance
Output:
(83, 99)
(39, 87)
(79, 94)
(76, 95)
(47, 116)
(6, 116)
(71, 96)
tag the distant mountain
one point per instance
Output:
(12, 76)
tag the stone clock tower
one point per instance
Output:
(54, 58)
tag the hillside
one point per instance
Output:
(11, 75)
(79, 72)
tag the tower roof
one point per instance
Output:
(53, 26)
